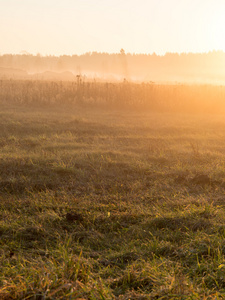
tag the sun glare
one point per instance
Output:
(217, 31)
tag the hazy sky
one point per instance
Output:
(139, 26)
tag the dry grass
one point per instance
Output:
(99, 204)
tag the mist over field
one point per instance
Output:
(169, 68)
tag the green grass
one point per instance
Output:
(146, 224)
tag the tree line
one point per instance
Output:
(171, 67)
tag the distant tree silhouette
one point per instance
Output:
(184, 67)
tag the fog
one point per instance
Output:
(172, 67)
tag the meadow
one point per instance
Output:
(111, 199)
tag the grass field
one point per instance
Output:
(100, 204)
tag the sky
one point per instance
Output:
(58, 27)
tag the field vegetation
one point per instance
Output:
(111, 191)
(126, 95)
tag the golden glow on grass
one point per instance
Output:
(146, 196)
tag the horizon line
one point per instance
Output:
(26, 53)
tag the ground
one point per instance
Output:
(108, 204)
